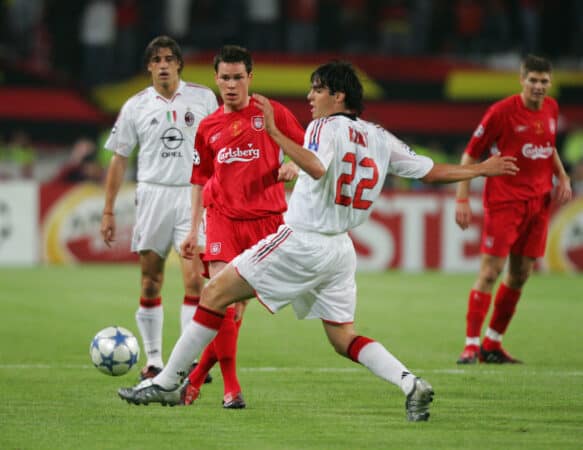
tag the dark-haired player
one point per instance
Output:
(516, 208)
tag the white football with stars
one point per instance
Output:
(114, 351)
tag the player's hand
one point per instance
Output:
(188, 248)
(240, 309)
(288, 171)
(563, 190)
(463, 214)
(265, 107)
(499, 165)
(108, 229)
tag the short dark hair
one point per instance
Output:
(340, 76)
(533, 63)
(159, 42)
(234, 54)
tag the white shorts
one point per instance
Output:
(311, 271)
(163, 218)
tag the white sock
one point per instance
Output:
(494, 335)
(383, 364)
(150, 321)
(473, 341)
(191, 342)
(186, 314)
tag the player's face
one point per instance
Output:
(233, 82)
(164, 68)
(534, 88)
(322, 102)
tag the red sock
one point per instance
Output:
(478, 305)
(357, 344)
(191, 300)
(150, 302)
(504, 308)
(208, 318)
(225, 344)
(206, 362)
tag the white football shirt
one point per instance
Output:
(357, 155)
(164, 130)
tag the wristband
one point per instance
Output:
(461, 200)
(106, 213)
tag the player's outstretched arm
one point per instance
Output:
(307, 161)
(450, 173)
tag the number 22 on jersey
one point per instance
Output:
(356, 168)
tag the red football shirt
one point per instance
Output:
(528, 135)
(237, 161)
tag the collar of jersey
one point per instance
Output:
(350, 116)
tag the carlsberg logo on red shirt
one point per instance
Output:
(532, 151)
(230, 155)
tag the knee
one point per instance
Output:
(489, 275)
(207, 294)
(150, 287)
(210, 296)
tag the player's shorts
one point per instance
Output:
(163, 218)
(518, 227)
(311, 271)
(226, 238)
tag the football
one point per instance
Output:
(114, 351)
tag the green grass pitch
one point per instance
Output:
(300, 394)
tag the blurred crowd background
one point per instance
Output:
(66, 36)
(60, 41)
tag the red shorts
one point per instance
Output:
(518, 227)
(226, 238)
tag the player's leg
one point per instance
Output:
(152, 240)
(193, 279)
(150, 314)
(206, 362)
(221, 291)
(225, 345)
(209, 357)
(507, 297)
(532, 220)
(334, 300)
(479, 301)
(193, 282)
(226, 288)
(374, 356)
(224, 349)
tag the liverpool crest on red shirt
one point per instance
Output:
(257, 123)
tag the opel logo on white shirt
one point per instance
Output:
(172, 138)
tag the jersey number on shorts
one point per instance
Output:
(365, 183)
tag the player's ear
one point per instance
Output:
(339, 97)
(522, 81)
